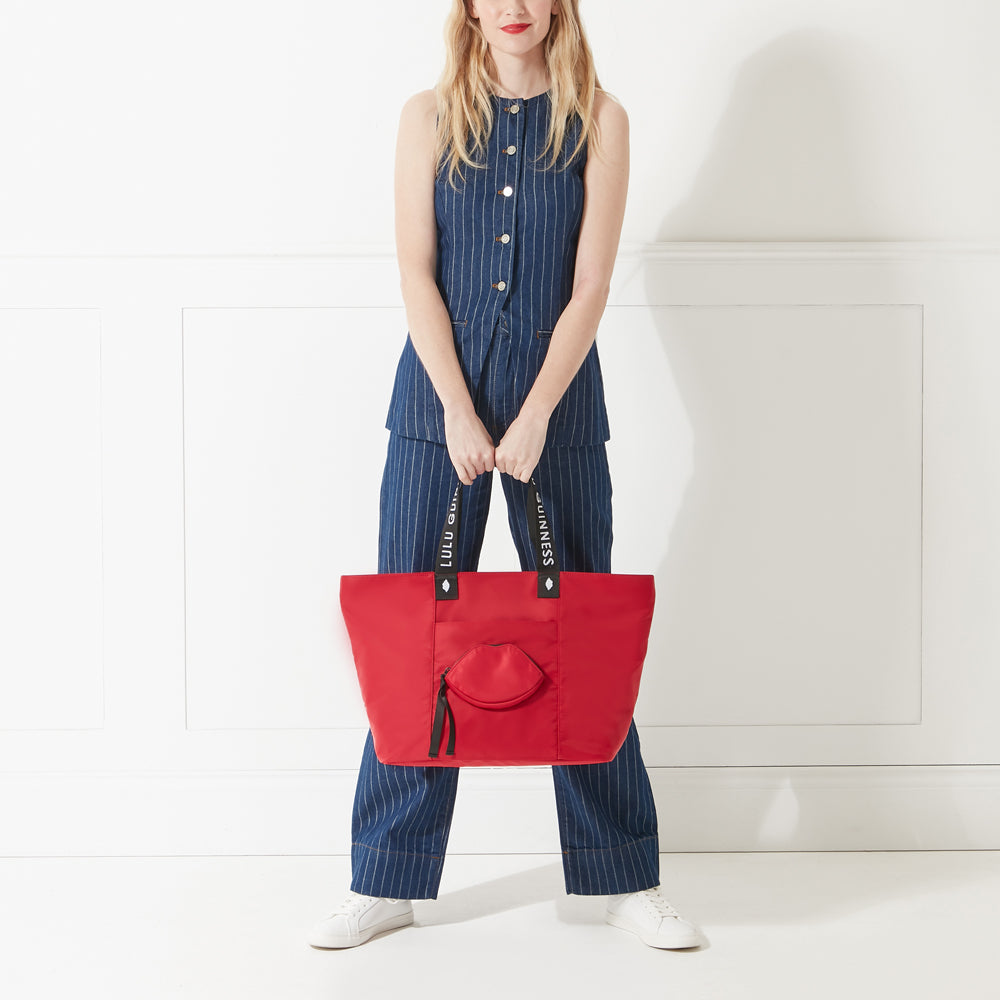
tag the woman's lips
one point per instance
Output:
(514, 29)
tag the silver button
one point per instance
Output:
(501, 285)
(505, 238)
(514, 108)
(510, 150)
(506, 191)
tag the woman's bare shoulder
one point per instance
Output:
(418, 125)
(420, 106)
(609, 112)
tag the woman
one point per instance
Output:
(510, 190)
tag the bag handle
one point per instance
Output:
(539, 528)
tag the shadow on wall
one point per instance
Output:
(790, 591)
(819, 141)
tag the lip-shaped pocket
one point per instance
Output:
(495, 676)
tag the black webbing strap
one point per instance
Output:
(439, 713)
(446, 565)
(540, 530)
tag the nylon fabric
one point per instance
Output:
(589, 644)
(402, 816)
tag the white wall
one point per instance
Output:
(199, 319)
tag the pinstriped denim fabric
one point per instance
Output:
(402, 815)
(508, 258)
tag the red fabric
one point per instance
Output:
(494, 676)
(567, 668)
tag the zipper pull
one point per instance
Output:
(438, 725)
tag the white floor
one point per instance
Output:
(807, 926)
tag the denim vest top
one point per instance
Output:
(506, 254)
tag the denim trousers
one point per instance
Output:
(402, 814)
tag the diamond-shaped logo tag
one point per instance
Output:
(548, 583)
(445, 586)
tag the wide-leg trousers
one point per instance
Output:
(402, 815)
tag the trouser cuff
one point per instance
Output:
(628, 867)
(395, 874)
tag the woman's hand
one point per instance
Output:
(470, 446)
(519, 450)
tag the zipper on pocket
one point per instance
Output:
(439, 714)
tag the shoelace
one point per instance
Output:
(657, 904)
(355, 901)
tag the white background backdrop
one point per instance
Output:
(199, 321)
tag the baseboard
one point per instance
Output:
(506, 811)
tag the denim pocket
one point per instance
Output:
(543, 334)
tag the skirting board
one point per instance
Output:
(500, 811)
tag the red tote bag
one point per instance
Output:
(498, 669)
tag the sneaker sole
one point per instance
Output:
(319, 940)
(683, 938)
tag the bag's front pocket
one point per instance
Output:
(503, 676)
(495, 675)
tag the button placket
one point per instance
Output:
(502, 239)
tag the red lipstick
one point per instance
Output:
(514, 29)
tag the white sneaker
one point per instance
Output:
(649, 915)
(359, 918)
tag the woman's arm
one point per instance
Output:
(605, 181)
(470, 446)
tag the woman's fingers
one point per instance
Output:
(470, 465)
(521, 447)
(470, 447)
(516, 465)
(477, 463)
(514, 468)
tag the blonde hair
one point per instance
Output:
(464, 91)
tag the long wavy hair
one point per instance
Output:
(464, 91)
